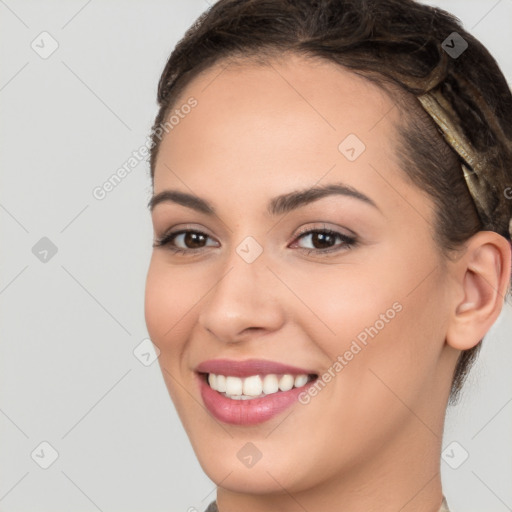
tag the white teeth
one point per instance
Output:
(233, 385)
(255, 386)
(270, 384)
(286, 382)
(300, 380)
(221, 383)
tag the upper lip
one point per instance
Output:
(249, 367)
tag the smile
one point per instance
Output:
(252, 391)
(255, 386)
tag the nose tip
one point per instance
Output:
(241, 304)
(233, 335)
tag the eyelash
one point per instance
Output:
(348, 241)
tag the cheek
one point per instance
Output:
(169, 297)
(384, 315)
(343, 302)
(390, 331)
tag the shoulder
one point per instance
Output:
(212, 507)
(444, 506)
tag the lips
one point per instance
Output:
(239, 409)
(249, 367)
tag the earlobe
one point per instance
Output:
(483, 279)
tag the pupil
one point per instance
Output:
(322, 237)
(192, 238)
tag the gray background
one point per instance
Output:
(70, 324)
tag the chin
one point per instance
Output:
(255, 480)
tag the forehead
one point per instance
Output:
(295, 105)
(293, 83)
(259, 131)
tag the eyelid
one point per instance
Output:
(325, 227)
(179, 228)
(347, 241)
(175, 231)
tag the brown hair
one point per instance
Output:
(396, 44)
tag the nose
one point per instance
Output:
(244, 301)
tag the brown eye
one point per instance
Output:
(324, 240)
(191, 240)
(321, 240)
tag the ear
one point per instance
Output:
(482, 280)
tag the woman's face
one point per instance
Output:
(365, 303)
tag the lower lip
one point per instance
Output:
(248, 412)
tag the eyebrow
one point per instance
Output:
(276, 206)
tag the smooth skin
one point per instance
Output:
(371, 439)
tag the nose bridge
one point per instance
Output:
(243, 296)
